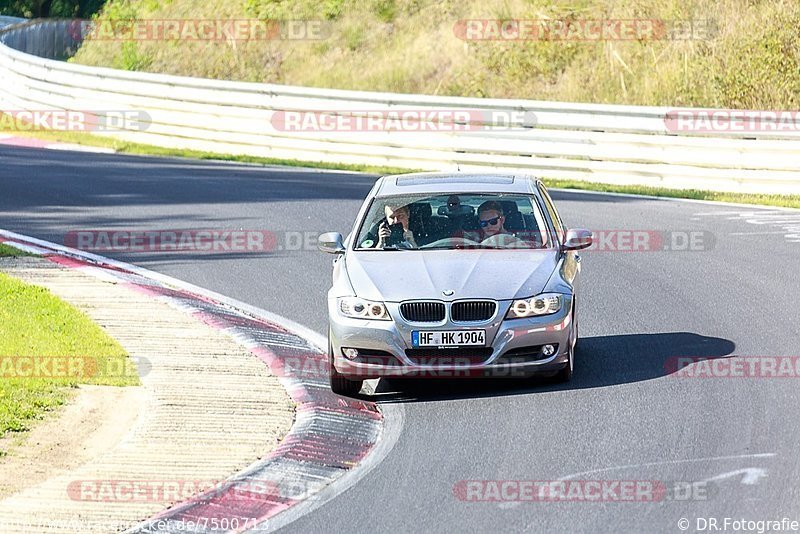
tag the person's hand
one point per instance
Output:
(383, 234)
(408, 237)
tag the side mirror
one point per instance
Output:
(331, 242)
(443, 210)
(578, 239)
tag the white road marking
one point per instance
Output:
(670, 199)
(74, 147)
(756, 233)
(670, 462)
(754, 210)
(787, 221)
(751, 475)
(773, 220)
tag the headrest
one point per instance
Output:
(509, 206)
(462, 210)
(420, 209)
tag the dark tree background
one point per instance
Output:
(50, 8)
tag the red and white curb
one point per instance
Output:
(331, 434)
(31, 142)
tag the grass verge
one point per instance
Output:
(784, 201)
(742, 54)
(6, 250)
(47, 347)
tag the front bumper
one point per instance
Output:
(385, 348)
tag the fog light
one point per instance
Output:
(350, 354)
(548, 350)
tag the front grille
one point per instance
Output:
(478, 310)
(459, 356)
(423, 312)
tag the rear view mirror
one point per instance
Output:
(578, 239)
(331, 242)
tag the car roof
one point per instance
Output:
(438, 182)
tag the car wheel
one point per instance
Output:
(565, 374)
(339, 384)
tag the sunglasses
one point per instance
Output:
(489, 222)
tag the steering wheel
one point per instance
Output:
(503, 241)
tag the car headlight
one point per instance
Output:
(544, 304)
(363, 309)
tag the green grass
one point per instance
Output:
(36, 324)
(6, 250)
(785, 201)
(750, 59)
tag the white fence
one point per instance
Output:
(600, 143)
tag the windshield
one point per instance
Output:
(453, 221)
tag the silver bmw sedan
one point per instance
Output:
(453, 275)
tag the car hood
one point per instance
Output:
(395, 276)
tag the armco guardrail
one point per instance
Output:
(8, 21)
(600, 143)
(46, 38)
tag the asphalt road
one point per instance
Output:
(622, 418)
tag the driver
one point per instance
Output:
(491, 219)
(396, 215)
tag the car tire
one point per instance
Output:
(575, 323)
(339, 384)
(565, 374)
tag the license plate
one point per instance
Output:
(448, 338)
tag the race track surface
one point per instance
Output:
(622, 418)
